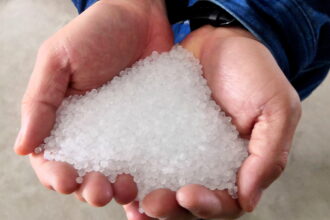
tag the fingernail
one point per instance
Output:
(255, 199)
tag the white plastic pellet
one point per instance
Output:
(156, 121)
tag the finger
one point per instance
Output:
(161, 203)
(95, 189)
(125, 189)
(132, 212)
(230, 206)
(44, 94)
(58, 176)
(269, 148)
(205, 203)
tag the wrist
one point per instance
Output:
(197, 40)
(146, 13)
(143, 7)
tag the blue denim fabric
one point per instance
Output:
(297, 32)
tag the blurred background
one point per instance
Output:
(301, 193)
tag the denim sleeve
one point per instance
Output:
(297, 32)
(82, 5)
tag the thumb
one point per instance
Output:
(269, 147)
(45, 92)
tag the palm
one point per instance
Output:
(85, 54)
(243, 79)
(99, 44)
(250, 87)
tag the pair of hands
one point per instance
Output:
(111, 35)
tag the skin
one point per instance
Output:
(66, 64)
(244, 78)
(249, 86)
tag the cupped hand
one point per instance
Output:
(250, 87)
(86, 53)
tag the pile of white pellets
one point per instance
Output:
(155, 121)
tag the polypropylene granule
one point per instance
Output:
(156, 121)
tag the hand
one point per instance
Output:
(89, 51)
(250, 87)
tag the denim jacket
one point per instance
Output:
(297, 32)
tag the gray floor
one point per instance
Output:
(302, 193)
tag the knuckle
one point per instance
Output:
(54, 54)
(297, 110)
(282, 161)
(292, 105)
(45, 47)
(295, 105)
(26, 103)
